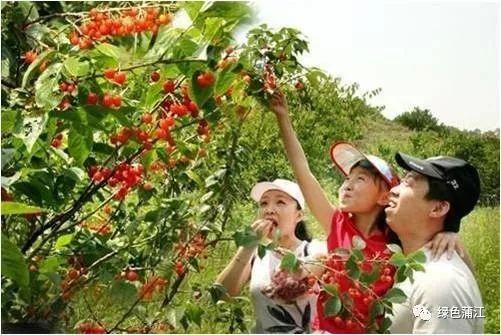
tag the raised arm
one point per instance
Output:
(237, 273)
(315, 197)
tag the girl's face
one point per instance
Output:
(281, 209)
(361, 192)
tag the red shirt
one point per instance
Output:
(343, 229)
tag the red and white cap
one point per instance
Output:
(345, 156)
(286, 186)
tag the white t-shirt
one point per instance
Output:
(449, 294)
(273, 316)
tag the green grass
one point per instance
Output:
(480, 233)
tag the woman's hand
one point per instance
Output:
(278, 104)
(445, 241)
(262, 227)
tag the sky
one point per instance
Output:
(437, 55)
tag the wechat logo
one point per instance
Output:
(421, 312)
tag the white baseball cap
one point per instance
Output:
(286, 186)
(345, 156)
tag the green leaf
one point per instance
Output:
(418, 256)
(400, 275)
(194, 313)
(47, 95)
(31, 129)
(332, 306)
(398, 259)
(63, 241)
(395, 295)
(385, 326)
(417, 267)
(75, 68)
(13, 208)
(289, 262)
(80, 144)
(224, 80)
(195, 177)
(9, 118)
(7, 181)
(109, 50)
(13, 263)
(217, 292)
(331, 289)
(261, 251)
(34, 65)
(7, 155)
(50, 264)
(192, 8)
(394, 248)
(352, 267)
(246, 238)
(200, 94)
(152, 96)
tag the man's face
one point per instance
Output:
(407, 206)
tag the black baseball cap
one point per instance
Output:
(460, 176)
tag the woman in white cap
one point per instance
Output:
(281, 209)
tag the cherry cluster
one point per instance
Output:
(152, 285)
(90, 328)
(187, 250)
(104, 24)
(56, 141)
(289, 287)
(127, 176)
(127, 274)
(74, 274)
(356, 298)
(29, 56)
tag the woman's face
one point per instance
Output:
(281, 209)
(361, 192)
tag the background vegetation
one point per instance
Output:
(50, 201)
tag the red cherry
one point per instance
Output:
(192, 106)
(73, 274)
(109, 73)
(143, 136)
(169, 86)
(350, 324)
(70, 88)
(155, 76)
(299, 85)
(92, 98)
(146, 118)
(166, 123)
(29, 57)
(163, 19)
(74, 38)
(205, 79)
(63, 86)
(120, 78)
(56, 143)
(107, 100)
(161, 133)
(338, 322)
(147, 186)
(117, 100)
(132, 276)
